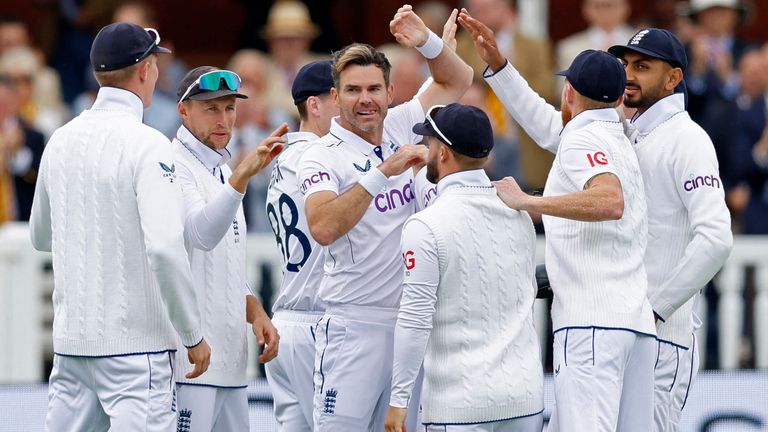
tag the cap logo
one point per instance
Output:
(638, 37)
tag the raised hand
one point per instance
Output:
(407, 28)
(509, 191)
(405, 157)
(485, 42)
(449, 30)
(258, 158)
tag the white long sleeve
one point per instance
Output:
(40, 217)
(417, 307)
(541, 121)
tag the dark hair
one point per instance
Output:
(360, 55)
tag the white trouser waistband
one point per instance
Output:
(309, 317)
(373, 314)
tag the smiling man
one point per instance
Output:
(358, 191)
(214, 230)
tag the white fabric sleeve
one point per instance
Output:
(709, 220)
(423, 190)
(205, 224)
(417, 307)
(400, 120)
(316, 172)
(40, 230)
(160, 213)
(582, 158)
(541, 121)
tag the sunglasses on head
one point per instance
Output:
(430, 118)
(156, 43)
(211, 81)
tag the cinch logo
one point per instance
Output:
(409, 260)
(314, 179)
(697, 182)
(431, 193)
(389, 200)
(597, 158)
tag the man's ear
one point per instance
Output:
(673, 79)
(335, 96)
(144, 70)
(312, 106)
(182, 109)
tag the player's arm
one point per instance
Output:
(40, 230)
(205, 224)
(414, 319)
(159, 205)
(331, 215)
(710, 224)
(265, 331)
(451, 75)
(539, 119)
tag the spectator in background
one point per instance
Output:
(749, 151)
(289, 32)
(607, 20)
(434, 14)
(21, 148)
(256, 118)
(533, 58)
(22, 65)
(712, 78)
(46, 86)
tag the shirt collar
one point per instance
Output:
(588, 116)
(659, 112)
(117, 99)
(350, 138)
(211, 158)
(470, 178)
(301, 136)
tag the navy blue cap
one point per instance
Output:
(597, 75)
(657, 43)
(119, 45)
(466, 127)
(313, 79)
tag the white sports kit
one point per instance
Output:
(362, 283)
(214, 230)
(298, 308)
(603, 322)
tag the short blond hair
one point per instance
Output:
(360, 55)
(117, 77)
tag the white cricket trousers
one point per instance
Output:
(676, 368)
(122, 393)
(603, 380)
(290, 374)
(532, 423)
(353, 368)
(205, 408)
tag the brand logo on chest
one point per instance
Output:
(393, 198)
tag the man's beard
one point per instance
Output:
(565, 113)
(642, 99)
(432, 172)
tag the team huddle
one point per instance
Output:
(409, 275)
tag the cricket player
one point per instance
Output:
(594, 215)
(689, 226)
(468, 293)
(298, 308)
(358, 191)
(108, 205)
(214, 233)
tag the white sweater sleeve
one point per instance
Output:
(710, 226)
(205, 224)
(417, 307)
(41, 232)
(159, 203)
(541, 121)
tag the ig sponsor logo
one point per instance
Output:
(695, 182)
(394, 198)
(597, 158)
(409, 261)
(314, 179)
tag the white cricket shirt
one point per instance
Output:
(362, 267)
(302, 255)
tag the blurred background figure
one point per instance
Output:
(434, 14)
(749, 150)
(21, 148)
(289, 32)
(256, 119)
(712, 77)
(607, 20)
(515, 153)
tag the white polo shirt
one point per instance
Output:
(363, 267)
(302, 255)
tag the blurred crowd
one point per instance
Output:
(726, 79)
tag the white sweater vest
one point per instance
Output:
(482, 361)
(219, 279)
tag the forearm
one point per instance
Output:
(591, 205)
(205, 227)
(451, 75)
(253, 309)
(239, 180)
(332, 219)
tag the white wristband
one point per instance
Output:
(432, 47)
(374, 182)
